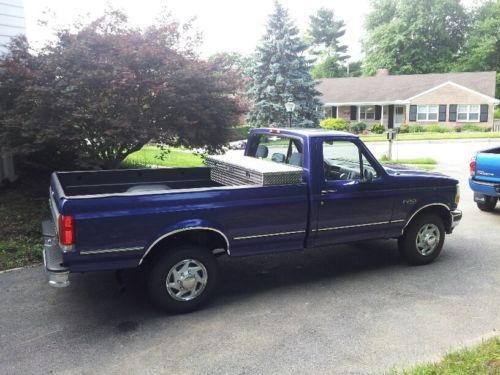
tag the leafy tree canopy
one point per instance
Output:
(481, 51)
(104, 91)
(282, 72)
(413, 36)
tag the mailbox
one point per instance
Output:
(391, 134)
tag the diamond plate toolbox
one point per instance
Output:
(246, 170)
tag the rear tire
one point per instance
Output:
(183, 280)
(488, 204)
(422, 240)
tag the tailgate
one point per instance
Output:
(488, 166)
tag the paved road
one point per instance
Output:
(349, 309)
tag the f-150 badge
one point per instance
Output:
(409, 201)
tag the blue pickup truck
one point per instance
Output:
(174, 223)
(484, 178)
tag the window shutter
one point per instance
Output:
(413, 113)
(378, 112)
(483, 115)
(390, 117)
(442, 112)
(334, 112)
(453, 112)
(354, 114)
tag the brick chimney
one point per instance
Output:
(382, 72)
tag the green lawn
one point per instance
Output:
(151, 155)
(483, 359)
(430, 136)
(420, 163)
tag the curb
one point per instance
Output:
(19, 268)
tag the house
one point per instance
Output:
(446, 99)
(11, 24)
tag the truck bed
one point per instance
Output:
(132, 181)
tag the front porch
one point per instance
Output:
(390, 115)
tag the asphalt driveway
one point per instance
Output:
(347, 309)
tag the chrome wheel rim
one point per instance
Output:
(427, 239)
(186, 280)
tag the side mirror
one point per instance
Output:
(367, 176)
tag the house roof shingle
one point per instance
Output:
(385, 88)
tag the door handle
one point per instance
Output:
(329, 191)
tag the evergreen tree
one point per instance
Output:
(282, 72)
(323, 35)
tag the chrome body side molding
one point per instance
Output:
(268, 235)
(106, 251)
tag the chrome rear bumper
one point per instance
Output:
(52, 257)
(456, 216)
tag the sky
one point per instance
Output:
(226, 25)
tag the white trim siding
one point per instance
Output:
(365, 103)
(11, 24)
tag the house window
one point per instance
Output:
(468, 112)
(366, 112)
(427, 112)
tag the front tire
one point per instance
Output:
(488, 205)
(183, 280)
(422, 240)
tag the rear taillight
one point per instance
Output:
(472, 166)
(66, 230)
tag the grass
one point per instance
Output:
(420, 163)
(425, 136)
(23, 206)
(152, 155)
(483, 359)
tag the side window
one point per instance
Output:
(343, 160)
(277, 149)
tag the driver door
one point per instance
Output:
(354, 203)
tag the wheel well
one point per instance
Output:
(208, 238)
(438, 210)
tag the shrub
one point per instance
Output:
(474, 128)
(435, 128)
(240, 132)
(358, 128)
(496, 114)
(378, 128)
(457, 128)
(404, 128)
(335, 124)
(102, 90)
(416, 129)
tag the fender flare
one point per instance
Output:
(180, 228)
(422, 208)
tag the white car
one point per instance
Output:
(238, 145)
